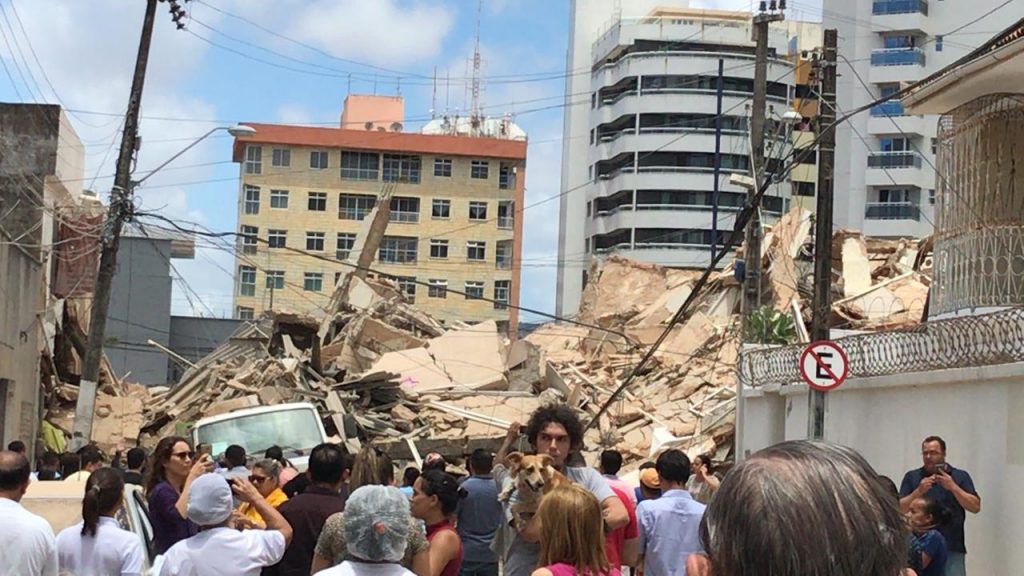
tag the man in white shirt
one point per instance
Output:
(219, 549)
(26, 540)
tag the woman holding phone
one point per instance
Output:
(172, 469)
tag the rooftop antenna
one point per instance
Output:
(433, 99)
(475, 110)
(447, 90)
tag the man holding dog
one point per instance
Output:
(554, 431)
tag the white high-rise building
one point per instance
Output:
(885, 177)
(639, 135)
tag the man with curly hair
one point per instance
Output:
(557, 432)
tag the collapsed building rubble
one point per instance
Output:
(379, 369)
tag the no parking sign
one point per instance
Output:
(824, 365)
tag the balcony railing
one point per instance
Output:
(894, 160)
(503, 262)
(890, 108)
(897, 57)
(505, 222)
(882, 7)
(892, 211)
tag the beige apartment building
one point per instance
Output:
(454, 238)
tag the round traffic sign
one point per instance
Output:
(824, 365)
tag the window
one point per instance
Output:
(437, 289)
(503, 255)
(398, 250)
(315, 241)
(245, 313)
(506, 176)
(275, 279)
(476, 250)
(938, 43)
(931, 196)
(438, 249)
(474, 290)
(281, 157)
(359, 165)
(505, 209)
(252, 199)
(893, 195)
(478, 169)
(478, 210)
(803, 189)
(279, 199)
(355, 206)
(441, 209)
(407, 286)
(935, 146)
(313, 281)
(405, 209)
(317, 202)
(248, 238)
(501, 292)
(253, 159)
(894, 144)
(246, 281)
(318, 159)
(277, 238)
(401, 168)
(346, 242)
(337, 276)
(443, 167)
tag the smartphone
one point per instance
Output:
(204, 449)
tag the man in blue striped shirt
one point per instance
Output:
(669, 526)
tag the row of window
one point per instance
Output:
(358, 206)
(393, 249)
(314, 282)
(373, 165)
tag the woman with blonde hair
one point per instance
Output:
(570, 525)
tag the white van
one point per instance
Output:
(60, 504)
(295, 427)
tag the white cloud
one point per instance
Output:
(382, 32)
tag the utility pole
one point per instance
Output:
(752, 244)
(718, 157)
(823, 222)
(118, 212)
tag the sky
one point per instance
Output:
(290, 61)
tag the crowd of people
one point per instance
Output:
(794, 509)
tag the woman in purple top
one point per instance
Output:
(172, 469)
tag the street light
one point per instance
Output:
(236, 131)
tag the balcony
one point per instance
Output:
(909, 15)
(405, 217)
(890, 108)
(892, 211)
(886, 7)
(897, 57)
(889, 160)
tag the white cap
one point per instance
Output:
(209, 500)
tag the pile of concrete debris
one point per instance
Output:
(379, 369)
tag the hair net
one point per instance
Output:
(377, 523)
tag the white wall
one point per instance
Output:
(587, 21)
(978, 411)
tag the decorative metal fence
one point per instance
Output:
(984, 340)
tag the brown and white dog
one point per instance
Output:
(533, 476)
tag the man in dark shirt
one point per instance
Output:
(951, 487)
(135, 459)
(480, 515)
(307, 512)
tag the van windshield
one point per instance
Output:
(295, 431)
